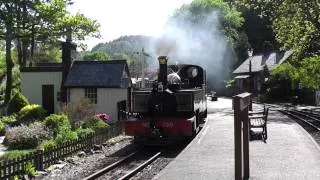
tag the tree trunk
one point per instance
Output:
(9, 64)
(24, 52)
(19, 49)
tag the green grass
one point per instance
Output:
(13, 154)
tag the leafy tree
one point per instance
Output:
(309, 72)
(38, 20)
(97, 55)
(298, 26)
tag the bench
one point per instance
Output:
(258, 120)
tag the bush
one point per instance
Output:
(2, 129)
(31, 112)
(17, 102)
(30, 170)
(13, 154)
(8, 119)
(94, 123)
(82, 133)
(48, 144)
(26, 137)
(66, 135)
(55, 122)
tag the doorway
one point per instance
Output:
(48, 98)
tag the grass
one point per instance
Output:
(13, 154)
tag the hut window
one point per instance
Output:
(91, 94)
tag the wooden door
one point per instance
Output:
(48, 98)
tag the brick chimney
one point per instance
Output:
(69, 50)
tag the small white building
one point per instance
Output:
(104, 83)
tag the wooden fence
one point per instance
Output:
(44, 158)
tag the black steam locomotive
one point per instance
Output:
(173, 108)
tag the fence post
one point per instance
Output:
(241, 104)
(39, 159)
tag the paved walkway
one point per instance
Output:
(290, 153)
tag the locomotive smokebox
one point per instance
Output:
(162, 76)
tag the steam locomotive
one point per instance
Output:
(172, 109)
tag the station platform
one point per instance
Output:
(289, 152)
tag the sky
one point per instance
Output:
(126, 17)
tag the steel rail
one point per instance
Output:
(136, 170)
(299, 118)
(305, 115)
(110, 167)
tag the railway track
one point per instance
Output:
(126, 167)
(309, 119)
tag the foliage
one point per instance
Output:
(26, 137)
(48, 144)
(295, 23)
(31, 112)
(65, 135)
(229, 17)
(2, 128)
(309, 73)
(52, 22)
(48, 53)
(126, 48)
(8, 119)
(94, 123)
(229, 83)
(285, 71)
(17, 102)
(30, 169)
(78, 111)
(82, 133)
(57, 122)
(96, 56)
(14, 154)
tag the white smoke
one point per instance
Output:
(202, 44)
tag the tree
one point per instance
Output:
(96, 56)
(42, 20)
(298, 27)
(309, 72)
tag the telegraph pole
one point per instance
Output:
(143, 59)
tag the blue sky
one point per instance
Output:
(127, 17)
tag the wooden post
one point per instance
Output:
(241, 104)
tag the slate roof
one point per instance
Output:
(258, 61)
(98, 74)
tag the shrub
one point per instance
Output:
(30, 169)
(17, 102)
(82, 133)
(78, 111)
(94, 123)
(65, 135)
(8, 119)
(31, 112)
(2, 128)
(55, 122)
(26, 137)
(13, 154)
(48, 144)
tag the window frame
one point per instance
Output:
(91, 94)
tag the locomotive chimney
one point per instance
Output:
(162, 76)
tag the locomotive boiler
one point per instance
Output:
(173, 108)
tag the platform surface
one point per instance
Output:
(289, 153)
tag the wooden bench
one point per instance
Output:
(258, 120)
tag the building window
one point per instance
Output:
(91, 93)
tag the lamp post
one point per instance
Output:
(250, 52)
